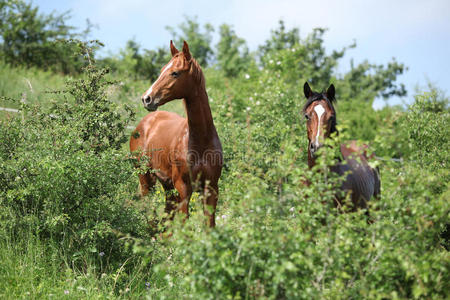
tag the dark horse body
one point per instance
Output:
(361, 180)
(184, 153)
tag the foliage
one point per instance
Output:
(106, 130)
(280, 39)
(232, 52)
(427, 126)
(296, 60)
(29, 84)
(71, 224)
(367, 81)
(290, 242)
(199, 42)
(30, 39)
(64, 177)
(276, 237)
(133, 63)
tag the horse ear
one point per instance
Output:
(186, 52)
(331, 92)
(173, 50)
(307, 90)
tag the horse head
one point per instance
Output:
(320, 116)
(175, 81)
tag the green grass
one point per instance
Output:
(36, 86)
(34, 270)
(31, 85)
(31, 270)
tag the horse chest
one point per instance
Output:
(206, 163)
(197, 162)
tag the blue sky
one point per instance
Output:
(416, 33)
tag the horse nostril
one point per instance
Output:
(145, 100)
(313, 148)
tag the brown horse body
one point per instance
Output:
(184, 153)
(361, 180)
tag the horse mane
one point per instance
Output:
(197, 73)
(195, 70)
(323, 96)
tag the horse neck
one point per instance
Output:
(312, 160)
(199, 118)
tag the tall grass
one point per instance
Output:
(31, 268)
(31, 85)
(34, 85)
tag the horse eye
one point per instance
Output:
(306, 117)
(175, 74)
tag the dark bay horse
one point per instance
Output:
(361, 181)
(183, 153)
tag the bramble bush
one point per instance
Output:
(277, 238)
(428, 130)
(64, 176)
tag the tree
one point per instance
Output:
(151, 62)
(280, 39)
(137, 62)
(232, 52)
(29, 38)
(297, 60)
(367, 81)
(199, 42)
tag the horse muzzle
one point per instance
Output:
(150, 104)
(313, 148)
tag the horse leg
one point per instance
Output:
(210, 202)
(377, 190)
(147, 182)
(171, 198)
(184, 195)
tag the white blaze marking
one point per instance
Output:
(160, 75)
(319, 111)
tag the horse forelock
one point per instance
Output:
(192, 66)
(323, 96)
(317, 97)
(180, 61)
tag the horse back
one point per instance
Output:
(361, 180)
(352, 148)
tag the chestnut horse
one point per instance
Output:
(183, 153)
(361, 181)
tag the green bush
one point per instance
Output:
(277, 238)
(427, 125)
(28, 38)
(280, 244)
(64, 177)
